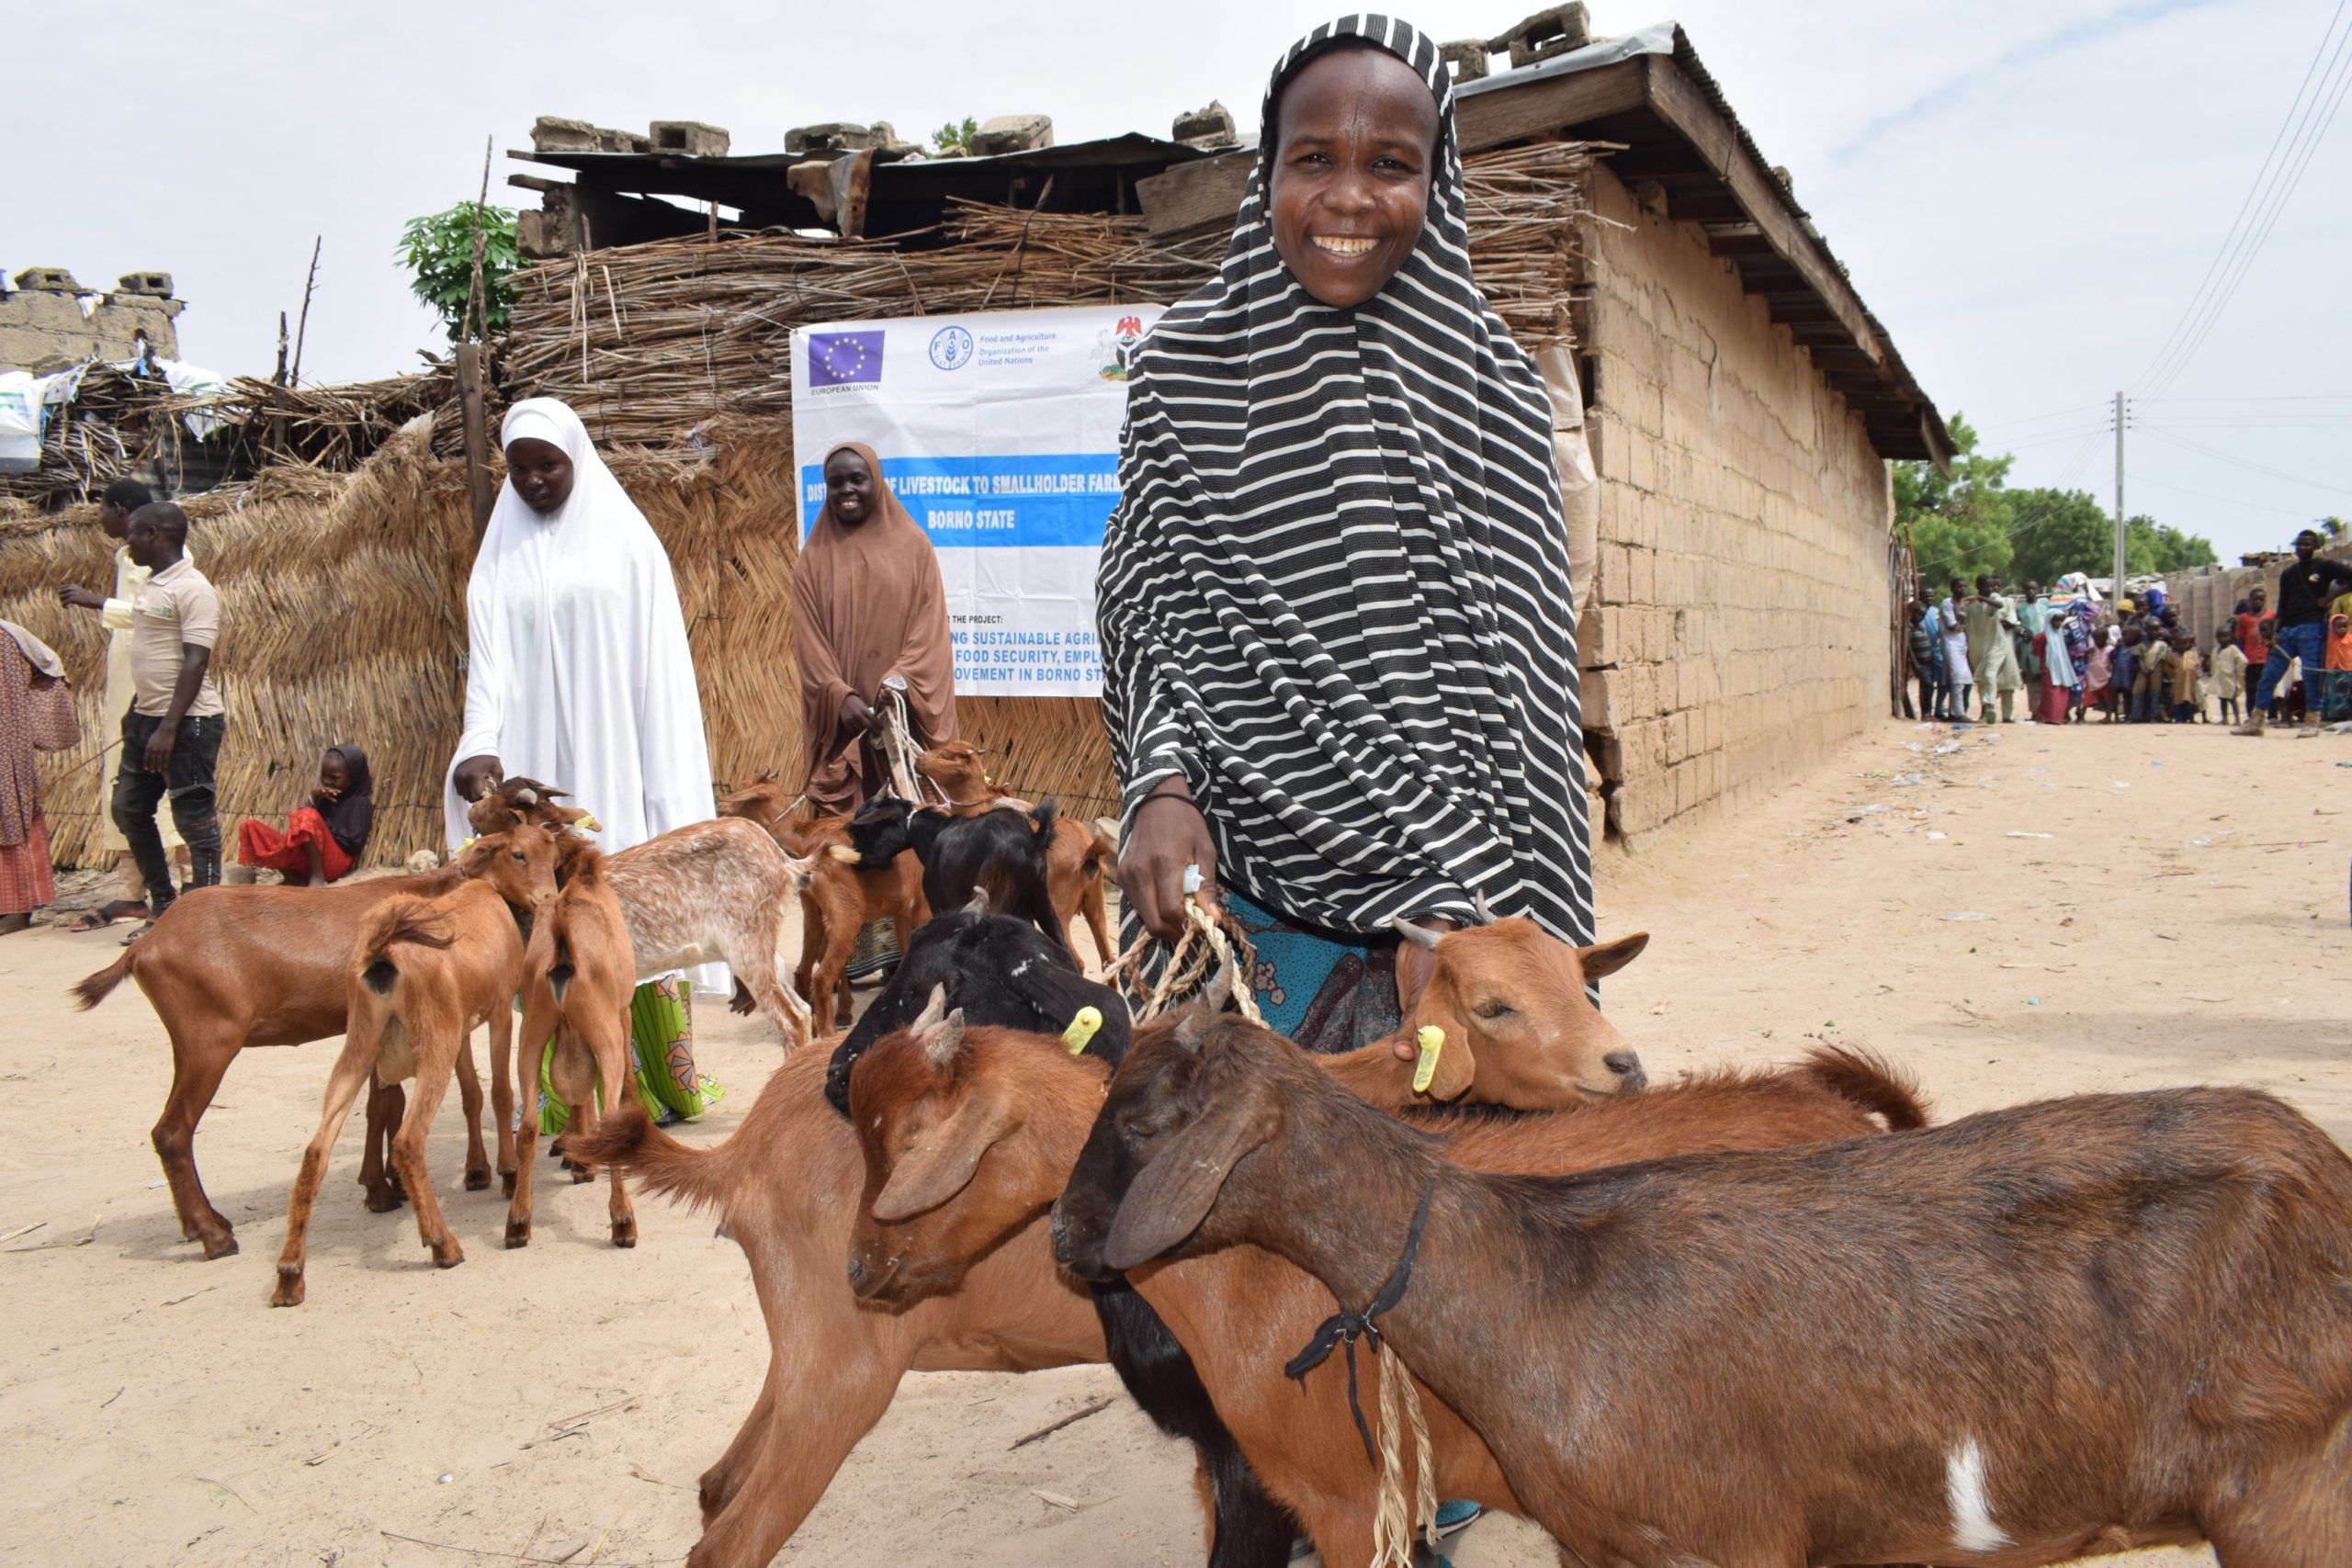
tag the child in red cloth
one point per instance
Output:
(323, 839)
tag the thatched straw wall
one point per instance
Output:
(342, 609)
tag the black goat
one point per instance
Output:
(1000, 970)
(1001, 852)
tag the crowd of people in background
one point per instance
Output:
(2067, 654)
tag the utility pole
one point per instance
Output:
(2118, 496)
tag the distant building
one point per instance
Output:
(48, 321)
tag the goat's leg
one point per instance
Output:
(386, 1103)
(838, 1384)
(1092, 904)
(539, 1017)
(353, 1068)
(611, 1046)
(573, 1075)
(470, 1100)
(502, 1089)
(201, 1055)
(436, 1066)
(718, 1485)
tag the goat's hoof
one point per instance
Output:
(477, 1179)
(224, 1245)
(625, 1233)
(290, 1289)
(518, 1234)
(506, 1181)
(448, 1255)
(581, 1173)
(383, 1198)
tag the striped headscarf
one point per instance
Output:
(1334, 594)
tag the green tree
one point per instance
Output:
(1959, 521)
(954, 138)
(2058, 531)
(2150, 546)
(439, 250)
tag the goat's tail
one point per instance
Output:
(92, 990)
(1042, 819)
(630, 1143)
(407, 918)
(1871, 1082)
(562, 970)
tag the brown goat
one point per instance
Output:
(785, 1187)
(581, 970)
(2084, 1324)
(707, 893)
(1076, 861)
(1519, 1029)
(839, 901)
(423, 973)
(971, 1134)
(228, 967)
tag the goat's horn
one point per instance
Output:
(1419, 936)
(945, 1042)
(1220, 986)
(1486, 912)
(977, 907)
(526, 797)
(1192, 1030)
(933, 1011)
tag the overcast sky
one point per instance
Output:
(2027, 195)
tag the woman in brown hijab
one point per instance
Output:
(868, 613)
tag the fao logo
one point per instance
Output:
(951, 348)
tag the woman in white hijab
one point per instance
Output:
(580, 675)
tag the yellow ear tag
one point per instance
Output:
(1081, 1029)
(1432, 1041)
(467, 845)
(589, 822)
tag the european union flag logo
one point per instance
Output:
(844, 360)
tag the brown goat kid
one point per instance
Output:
(1519, 1029)
(2074, 1327)
(423, 973)
(708, 893)
(839, 900)
(1076, 861)
(581, 970)
(228, 967)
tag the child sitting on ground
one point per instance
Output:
(2227, 673)
(322, 840)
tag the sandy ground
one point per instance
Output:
(2159, 906)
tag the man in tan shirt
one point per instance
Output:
(171, 737)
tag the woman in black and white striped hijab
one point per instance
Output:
(1334, 596)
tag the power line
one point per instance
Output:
(2156, 433)
(2279, 398)
(2303, 513)
(2264, 201)
(2076, 412)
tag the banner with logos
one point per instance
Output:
(999, 432)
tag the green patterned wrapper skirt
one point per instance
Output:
(661, 1039)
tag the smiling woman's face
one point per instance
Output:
(1355, 142)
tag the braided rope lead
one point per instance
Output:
(1208, 941)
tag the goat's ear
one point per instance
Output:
(945, 1162)
(1607, 958)
(1173, 1195)
(1440, 1007)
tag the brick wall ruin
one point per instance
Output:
(43, 326)
(1739, 627)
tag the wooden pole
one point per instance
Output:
(303, 328)
(473, 415)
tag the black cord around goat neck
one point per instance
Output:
(1344, 1328)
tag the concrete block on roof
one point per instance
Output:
(1466, 57)
(889, 147)
(552, 133)
(47, 280)
(1210, 127)
(832, 136)
(1550, 32)
(691, 137)
(1012, 133)
(155, 283)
